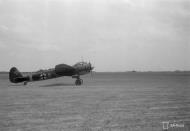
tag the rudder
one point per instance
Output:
(13, 74)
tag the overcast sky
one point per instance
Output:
(115, 35)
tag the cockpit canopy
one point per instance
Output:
(80, 64)
(83, 67)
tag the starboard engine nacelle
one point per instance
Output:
(64, 70)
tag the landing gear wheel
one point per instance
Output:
(78, 82)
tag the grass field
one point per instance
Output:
(106, 102)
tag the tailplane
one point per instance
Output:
(14, 74)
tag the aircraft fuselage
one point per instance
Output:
(60, 70)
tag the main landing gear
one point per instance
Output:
(78, 81)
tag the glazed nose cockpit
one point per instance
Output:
(87, 66)
(83, 67)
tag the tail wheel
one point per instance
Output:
(25, 83)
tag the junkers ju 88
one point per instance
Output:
(80, 68)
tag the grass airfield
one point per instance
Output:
(105, 102)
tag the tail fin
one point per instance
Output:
(13, 74)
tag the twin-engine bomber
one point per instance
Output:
(80, 68)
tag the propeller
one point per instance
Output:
(90, 68)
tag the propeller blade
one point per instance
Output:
(89, 65)
(91, 73)
(91, 68)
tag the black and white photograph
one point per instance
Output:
(94, 65)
